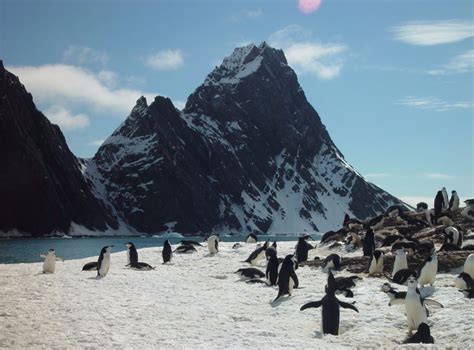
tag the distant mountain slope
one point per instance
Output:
(248, 153)
(42, 189)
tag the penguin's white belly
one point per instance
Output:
(49, 264)
(428, 273)
(375, 267)
(259, 257)
(416, 312)
(399, 265)
(469, 266)
(291, 284)
(104, 267)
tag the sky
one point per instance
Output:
(391, 80)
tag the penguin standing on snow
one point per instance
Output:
(287, 278)
(49, 264)
(213, 244)
(258, 254)
(454, 201)
(167, 252)
(368, 243)
(376, 263)
(330, 308)
(103, 264)
(272, 266)
(428, 270)
(132, 257)
(302, 249)
(400, 261)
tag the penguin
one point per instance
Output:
(421, 207)
(445, 199)
(343, 283)
(132, 256)
(453, 236)
(438, 204)
(271, 273)
(421, 336)
(428, 270)
(454, 201)
(401, 276)
(188, 242)
(376, 263)
(302, 249)
(213, 244)
(250, 272)
(49, 264)
(167, 252)
(274, 245)
(103, 264)
(400, 261)
(430, 217)
(237, 245)
(185, 249)
(330, 308)
(463, 281)
(389, 240)
(469, 265)
(91, 266)
(468, 211)
(368, 243)
(251, 238)
(331, 262)
(394, 295)
(346, 292)
(287, 278)
(257, 255)
(415, 305)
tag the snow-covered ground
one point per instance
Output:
(198, 302)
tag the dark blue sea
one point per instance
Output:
(14, 251)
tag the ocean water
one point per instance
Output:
(15, 251)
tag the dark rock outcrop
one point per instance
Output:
(42, 188)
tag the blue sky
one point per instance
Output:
(391, 80)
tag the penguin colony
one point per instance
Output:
(281, 273)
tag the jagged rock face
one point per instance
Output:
(42, 189)
(248, 153)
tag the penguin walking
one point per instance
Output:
(271, 272)
(103, 264)
(428, 270)
(415, 305)
(213, 244)
(330, 308)
(423, 335)
(287, 278)
(49, 264)
(400, 261)
(257, 255)
(302, 248)
(445, 199)
(167, 252)
(376, 263)
(368, 243)
(132, 256)
(454, 201)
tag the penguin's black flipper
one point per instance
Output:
(347, 305)
(312, 304)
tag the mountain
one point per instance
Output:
(247, 153)
(42, 188)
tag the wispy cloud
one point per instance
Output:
(82, 54)
(247, 14)
(65, 119)
(376, 175)
(439, 176)
(426, 33)
(165, 59)
(463, 63)
(96, 143)
(108, 77)
(59, 84)
(434, 103)
(325, 61)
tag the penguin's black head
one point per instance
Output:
(424, 329)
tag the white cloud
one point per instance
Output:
(427, 33)
(165, 60)
(108, 77)
(96, 143)
(435, 104)
(463, 63)
(64, 84)
(82, 54)
(438, 176)
(67, 121)
(322, 60)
